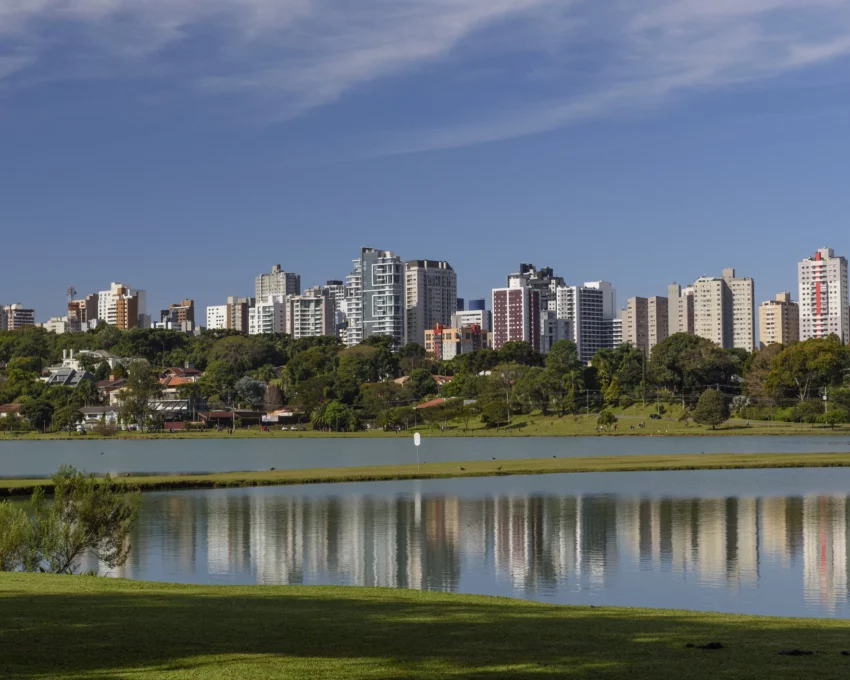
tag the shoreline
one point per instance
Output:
(498, 468)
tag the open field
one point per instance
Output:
(533, 425)
(87, 627)
(492, 468)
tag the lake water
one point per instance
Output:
(750, 541)
(42, 458)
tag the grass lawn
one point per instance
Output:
(533, 425)
(87, 627)
(491, 468)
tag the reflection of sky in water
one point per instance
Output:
(755, 541)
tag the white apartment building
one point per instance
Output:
(823, 296)
(309, 316)
(431, 296)
(277, 282)
(268, 316)
(353, 307)
(552, 330)
(590, 309)
(724, 310)
(473, 317)
(15, 316)
(231, 316)
(62, 324)
(375, 300)
(216, 317)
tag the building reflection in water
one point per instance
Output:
(533, 545)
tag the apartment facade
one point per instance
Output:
(123, 307)
(447, 343)
(15, 316)
(181, 313)
(590, 309)
(516, 315)
(61, 325)
(268, 315)
(680, 309)
(779, 321)
(823, 296)
(234, 315)
(542, 280)
(84, 310)
(482, 318)
(276, 282)
(310, 315)
(658, 322)
(635, 324)
(724, 310)
(374, 297)
(431, 296)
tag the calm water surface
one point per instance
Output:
(751, 541)
(42, 458)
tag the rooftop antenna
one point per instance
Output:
(71, 293)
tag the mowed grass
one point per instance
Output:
(534, 425)
(491, 468)
(87, 627)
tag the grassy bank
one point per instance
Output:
(533, 425)
(86, 627)
(492, 468)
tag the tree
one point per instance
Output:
(250, 391)
(711, 409)
(421, 384)
(336, 417)
(606, 419)
(381, 399)
(805, 367)
(682, 363)
(834, 416)
(496, 413)
(219, 381)
(67, 417)
(142, 386)
(520, 353)
(39, 413)
(533, 390)
(87, 515)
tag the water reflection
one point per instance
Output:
(759, 554)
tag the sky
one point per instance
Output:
(185, 146)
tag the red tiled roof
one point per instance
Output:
(175, 381)
(10, 408)
(220, 415)
(439, 401)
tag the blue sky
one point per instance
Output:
(185, 146)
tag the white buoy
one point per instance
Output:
(417, 440)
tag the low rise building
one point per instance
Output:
(16, 316)
(61, 325)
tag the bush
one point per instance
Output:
(606, 419)
(711, 409)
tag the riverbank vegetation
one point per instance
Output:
(87, 627)
(330, 388)
(429, 469)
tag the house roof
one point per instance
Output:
(216, 415)
(10, 408)
(439, 401)
(183, 372)
(98, 410)
(175, 381)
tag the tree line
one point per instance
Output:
(341, 388)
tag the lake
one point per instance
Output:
(750, 541)
(42, 458)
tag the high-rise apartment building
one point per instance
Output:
(181, 313)
(268, 315)
(431, 296)
(374, 297)
(123, 307)
(310, 315)
(822, 281)
(516, 314)
(84, 310)
(15, 316)
(779, 321)
(231, 316)
(542, 280)
(552, 330)
(680, 309)
(657, 320)
(635, 324)
(277, 282)
(724, 310)
(590, 309)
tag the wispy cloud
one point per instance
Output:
(598, 57)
